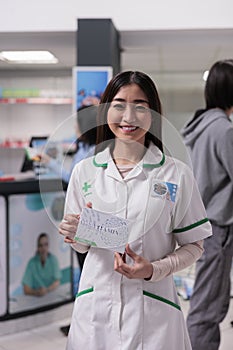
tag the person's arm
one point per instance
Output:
(154, 271)
(56, 273)
(35, 292)
(224, 151)
(40, 291)
(182, 258)
(53, 286)
(56, 167)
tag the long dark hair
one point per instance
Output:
(87, 121)
(219, 85)
(148, 87)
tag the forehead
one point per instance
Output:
(43, 239)
(131, 93)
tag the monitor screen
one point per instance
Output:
(38, 142)
(89, 84)
(40, 265)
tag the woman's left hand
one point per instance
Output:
(141, 267)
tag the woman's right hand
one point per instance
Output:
(68, 227)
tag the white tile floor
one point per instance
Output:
(49, 337)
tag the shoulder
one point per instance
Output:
(33, 260)
(178, 165)
(82, 172)
(221, 134)
(83, 163)
(159, 161)
(99, 160)
(52, 257)
(178, 172)
(221, 122)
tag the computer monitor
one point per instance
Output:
(35, 141)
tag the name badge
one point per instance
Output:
(164, 190)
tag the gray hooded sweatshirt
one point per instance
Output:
(209, 139)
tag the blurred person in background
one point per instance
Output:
(42, 274)
(85, 143)
(209, 138)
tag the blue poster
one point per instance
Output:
(89, 84)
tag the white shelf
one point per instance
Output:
(37, 100)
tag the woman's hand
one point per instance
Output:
(69, 225)
(141, 267)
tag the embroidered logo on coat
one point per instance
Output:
(164, 189)
(86, 188)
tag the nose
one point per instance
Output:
(129, 115)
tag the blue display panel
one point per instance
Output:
(89, 84)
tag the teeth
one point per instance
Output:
(129, 128)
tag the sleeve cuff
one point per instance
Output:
(81, 248)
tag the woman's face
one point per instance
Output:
(129, 116)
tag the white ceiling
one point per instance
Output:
(176, 58)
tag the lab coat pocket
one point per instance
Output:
(163, 324)
(161, 299)
(81, 320)
(84, 301)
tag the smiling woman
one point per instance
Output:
(129, 301)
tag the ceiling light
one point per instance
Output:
(28, 57)
(205, 75)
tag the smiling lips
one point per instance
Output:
(128, 128)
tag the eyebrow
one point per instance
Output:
(134, 101)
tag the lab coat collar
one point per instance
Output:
(104, 160)
(153, 158)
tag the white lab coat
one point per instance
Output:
(160, 199)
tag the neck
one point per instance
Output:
(43, 259)
(128, 152)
